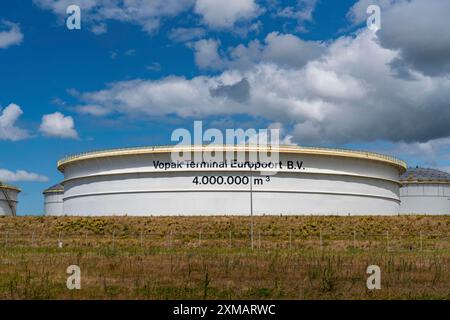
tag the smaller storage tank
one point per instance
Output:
(53, 200)
(8, 199)
(425, 191)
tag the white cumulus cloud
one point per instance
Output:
(417, 29)
(207, 55)
(8, 119)
(20, 175)
(147, 14)
(285, 50)
(224, 14)
(58, 125)
(11, 35)
(345, 92)
(302, 12)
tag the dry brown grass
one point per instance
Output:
(307, 225)
(182, 267)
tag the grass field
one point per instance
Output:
(211, 257)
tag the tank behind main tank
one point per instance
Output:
(425, 191)
(8, 199)
(53, 200)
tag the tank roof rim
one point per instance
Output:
(57, 188)
(357, 154)
(9, 187)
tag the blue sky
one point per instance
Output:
(130, 78)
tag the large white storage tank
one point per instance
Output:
(146, 181)
(8, 199)
(425, 191)
(53, 200)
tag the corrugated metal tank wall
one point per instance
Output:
(425, 199)
(425, 191)
(5, 208)
(53, 204)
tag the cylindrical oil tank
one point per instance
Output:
(300, 180)
(53, 200)
(8, 199)
(425, 191)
